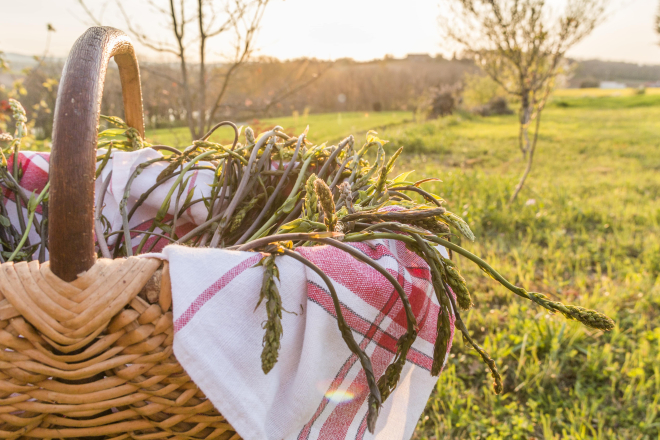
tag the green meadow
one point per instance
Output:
(585, 230)
(323, 127)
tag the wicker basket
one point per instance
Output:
(87, 344)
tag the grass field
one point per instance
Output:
(586, 230)
(595, 92)
(323, 127)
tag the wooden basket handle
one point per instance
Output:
(75, 131)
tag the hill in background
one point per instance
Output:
(268, 87)
(590, 73)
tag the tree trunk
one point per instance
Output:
(525, 118)
(202, 73)
(187, 99)
(530, 155)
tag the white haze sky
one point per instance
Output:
(326, 29)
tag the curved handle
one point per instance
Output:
(75, 131)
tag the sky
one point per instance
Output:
(325, 29)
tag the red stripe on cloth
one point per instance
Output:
(213, 289)
(369, 284)
(10, 196)
(419, 272)
(356, 322)
(342, 417)
(416, 358)
(350, 362)
(337, 424)
(360, 278)
(407, 258)
(427, 316)
(34, 178)
(420, 359)
(304, 433)
(362, 429)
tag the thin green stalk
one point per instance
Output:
(104, 162)
(140, 232)
(20, 198)
(32, 206)
(147, 193)
(291, 200)
(340, 170)
(590, 318)
(122, 208)
(98, 226)
(331, 160)
(313, 236)
(443, 335)
(276, 191)
(420, 191)
(165, 205)
(177, 202)
(239, 194)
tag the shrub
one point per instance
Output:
(589, 83)
(496, 106)
(479, 90)
(442, 101)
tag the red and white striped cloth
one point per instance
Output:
(34, 171)
(119, 169)
(317, 389)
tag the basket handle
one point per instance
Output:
(75, 132)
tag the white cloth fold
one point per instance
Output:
(317, 389)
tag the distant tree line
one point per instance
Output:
(270, 87)
(592, 72)
(265, 87)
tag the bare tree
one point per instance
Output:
(521, 45)
(192, 25)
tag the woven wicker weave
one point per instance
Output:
(92, 358)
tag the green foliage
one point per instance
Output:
(586, 230)
(479, 90)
